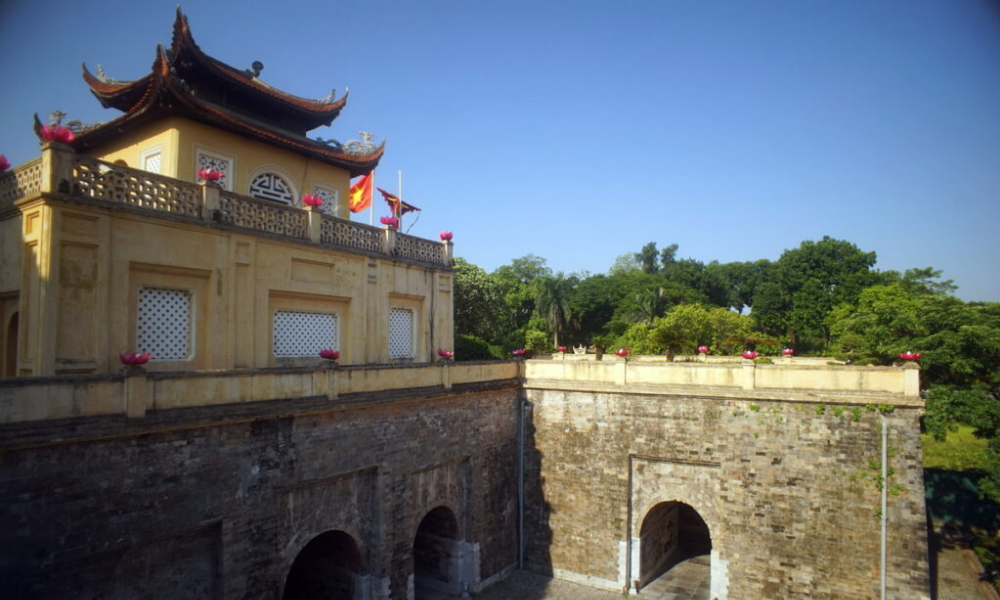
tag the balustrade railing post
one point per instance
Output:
(136, 391)
(449, 252)
(315, 228)
(210, 201)
(388, 241)
(57, 167)
(749, 374)
(911, 379)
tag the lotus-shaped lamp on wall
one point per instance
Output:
(133, 358)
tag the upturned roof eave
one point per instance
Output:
(166, 95)
(313, 113)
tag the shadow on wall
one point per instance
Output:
(536, 540)
(956, 515)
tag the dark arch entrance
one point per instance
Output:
(673, 533)
(328, 568)
(10, 351)
(437, 556)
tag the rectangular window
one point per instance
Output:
(152, 162)
(401, 333)
(303, 334)
(164, 324)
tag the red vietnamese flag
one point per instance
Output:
(361, 193)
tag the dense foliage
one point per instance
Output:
(823, 298)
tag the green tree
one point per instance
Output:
(647, 258)
(959, 343)
(552, 303)
(479, 307)
(515, 282)
(809, 281)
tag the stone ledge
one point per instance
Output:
(54, 432)
(729, 393)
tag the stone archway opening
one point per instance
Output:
(675, 549)
(437, 556)
(328, 568)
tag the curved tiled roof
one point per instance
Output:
(164, 92)
(321, 112)
(188, 61)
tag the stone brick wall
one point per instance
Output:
(787, 489)
(217, 502)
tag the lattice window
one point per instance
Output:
(330, 199)
(302, 334)
(218, 163)
(401, 333)
(152, 162)
(164, 323)
(271, 186)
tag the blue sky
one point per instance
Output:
(578, 131)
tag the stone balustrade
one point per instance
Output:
(61, 171)
(23, 182)
(135, 390)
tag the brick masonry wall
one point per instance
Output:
(209, 503)
(786, 489)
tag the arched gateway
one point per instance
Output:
(675, 545)
(328, 568)
(437, 556)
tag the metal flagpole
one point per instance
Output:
(371, 202)
(399, 188)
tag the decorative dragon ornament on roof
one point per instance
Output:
(363, 147)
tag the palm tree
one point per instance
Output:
(552, 303)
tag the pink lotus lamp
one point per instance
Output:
(133, 358)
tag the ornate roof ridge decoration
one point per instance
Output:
(183, 45)
(163, 91)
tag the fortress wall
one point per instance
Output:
(216, 502)
(785, 488)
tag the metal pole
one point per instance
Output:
(885, 491)
(520, 486)
(371, 202)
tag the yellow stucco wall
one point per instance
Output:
(181, 140)
(131, 148)
(81, 293)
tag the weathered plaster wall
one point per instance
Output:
(88, 259)
(785, 489)
(216, 502)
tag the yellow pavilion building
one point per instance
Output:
(111, 244)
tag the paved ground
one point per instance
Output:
(957, 577)
(687, 581)
(957, 580)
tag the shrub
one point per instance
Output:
(469, 347)
(537, 342)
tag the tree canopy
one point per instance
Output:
(823, 298)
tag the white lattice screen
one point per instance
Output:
(271, 186)
(151, 163)
(164, 324)
(400, 333)
(330, 199)
(299, 334)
